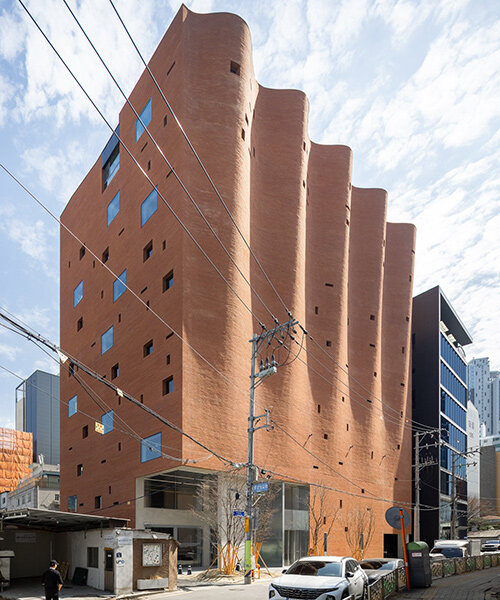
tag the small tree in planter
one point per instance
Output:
(359, 529)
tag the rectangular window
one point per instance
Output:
(107, 421)
(79, 470)
(119, 285)
(78, 293)
(107, 340)
(115, 371)
(110, 158)
(105, 255)
(145, 117)
(85, 431)
(168, 281)
(148, 348)
(113, 207)
(72, 502)
(148, 251)
(168, 385)
(148, 207)
(72, 406)
(98, 502)
(93, 558)
(151, 447)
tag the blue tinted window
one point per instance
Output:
(149, 206)
(107, 421)
(451, 356)
(78, 293)
(72, 502)
(72, 406)
(111, 167)
(151, 447)
(113, 208)
(145, 118)
(453, 385)
(119, 285)
(107, 340)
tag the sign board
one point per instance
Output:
(99, 427)
(25, 537)
(260, 487)
(238, 513)
(393, 517)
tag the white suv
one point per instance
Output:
(321, 578)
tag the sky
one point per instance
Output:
(412, 87)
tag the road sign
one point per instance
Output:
(260, 487)
(238, 513)
(392, 516)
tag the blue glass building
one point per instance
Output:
(439, 395)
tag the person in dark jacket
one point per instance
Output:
(52, 581)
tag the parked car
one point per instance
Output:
(491, 546)
(377, 567)
(450, 549)
(321, 578)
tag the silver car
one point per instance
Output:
(321, 578)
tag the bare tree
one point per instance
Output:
(480, 513)
(322, 517)
(359, 529)
(217, 498)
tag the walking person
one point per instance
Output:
(52, 581)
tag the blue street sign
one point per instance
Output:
(238, 513)
(260, 487)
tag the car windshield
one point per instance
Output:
(389, 566)
(316, 567)
(448, 551)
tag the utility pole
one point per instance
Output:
(418, 466)
(266, 368)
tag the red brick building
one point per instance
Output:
(342, 270)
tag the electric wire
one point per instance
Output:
(162, 154)
(226, 208)
(30, 335)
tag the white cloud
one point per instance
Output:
(9, 352)
(12, 35)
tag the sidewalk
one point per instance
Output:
(477, 585)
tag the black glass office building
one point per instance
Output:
(439, 395)
(37, 411)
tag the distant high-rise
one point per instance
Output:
(483, 393)
(473, 434)
(37, 412)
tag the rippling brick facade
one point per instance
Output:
(342, 270)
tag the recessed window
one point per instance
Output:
(148, 348)
(149, 207)
(72, 503)
(164, 244)
(372, 345)
(78, 293)
(319, 408)
(107, 340)
(115, 371)
(82, 252)
(119, 446)
(325, 436)
(168, 281)
(168, 385)
(329, 284)
(168, 359)
(119, 285)
(372, 317)
(145, 117)
(242, 134)
(147, 251)
(107, 421)
(105, 255)
(72, 403)
(316, 310)
(113, 207)
(328, 343)
(234, 67)
(110, 159)
(79, 470)
(151, 447)
(402, 349)
(85, 431)
(98, 502)
(79, 324)
(93, 558)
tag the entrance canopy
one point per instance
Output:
(55, 520)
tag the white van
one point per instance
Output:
(450, 549)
